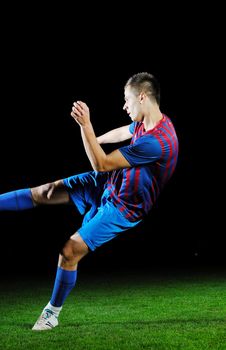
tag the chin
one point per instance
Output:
(137, 119)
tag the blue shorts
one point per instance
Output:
(102, 220)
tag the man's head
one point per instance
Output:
(141, 89)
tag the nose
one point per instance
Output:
(124, 107)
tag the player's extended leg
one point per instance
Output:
(74, 250)
(50, 193)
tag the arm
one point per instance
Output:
(99, 160)
(115, 135)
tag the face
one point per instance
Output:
(132, 105)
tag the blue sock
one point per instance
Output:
(64, 282)
(16, 200)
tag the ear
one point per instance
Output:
(142, 97)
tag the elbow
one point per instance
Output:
(100, 165)
(99, 168)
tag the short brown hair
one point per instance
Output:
(147, 83)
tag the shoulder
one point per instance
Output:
(167, 122)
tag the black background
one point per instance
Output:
(49, 59)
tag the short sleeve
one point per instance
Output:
(143, 151)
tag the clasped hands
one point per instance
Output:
(80, 113)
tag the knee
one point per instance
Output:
(43, 193)
(73, 251)
(68, 251)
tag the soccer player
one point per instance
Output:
(120, 190)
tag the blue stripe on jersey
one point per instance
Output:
(132, 127)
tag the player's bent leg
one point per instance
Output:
(50, 193)
(74, 250)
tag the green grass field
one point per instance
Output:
(125, 311)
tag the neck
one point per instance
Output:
(152, 118)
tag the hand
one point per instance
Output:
(80, 113)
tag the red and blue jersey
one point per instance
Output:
(153, 156)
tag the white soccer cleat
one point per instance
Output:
(46, 321)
